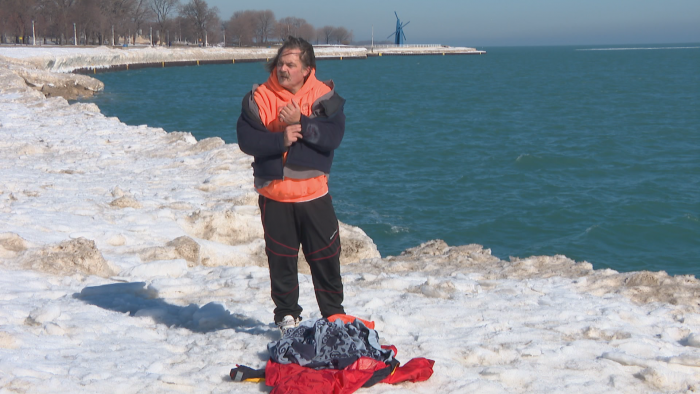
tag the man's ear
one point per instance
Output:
(307, 72)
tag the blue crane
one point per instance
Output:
(399, 36)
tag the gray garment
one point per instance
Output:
(291, 171)
(324, 344)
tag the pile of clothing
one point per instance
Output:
(337, 355)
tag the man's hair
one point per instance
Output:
(306, 55)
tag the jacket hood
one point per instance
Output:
(284, 94)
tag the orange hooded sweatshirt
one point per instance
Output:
(270, 98)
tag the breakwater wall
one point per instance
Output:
(416, 50)
(93, 60)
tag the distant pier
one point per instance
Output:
(85, 60)
(420, 49)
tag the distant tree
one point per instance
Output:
(264, 25)
(297, 27)
(286, 27)
(241, 27)
(18, 18)
(161, 10)
(214, 30)
(252, 27)
(203, 18)
(118, 14)
(325, 34)
(186, 30)
(195, 20)
(90, 21)
(43, 20)
(306, 31)
(4, 16)
(341, 35)
(140, 15)
(55, 16)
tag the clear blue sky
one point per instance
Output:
(498, 22)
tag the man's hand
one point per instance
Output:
(290, 113)
(292, 134)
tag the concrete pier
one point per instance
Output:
(93, 60)
(420, 49)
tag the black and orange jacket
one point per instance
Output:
(323, 127)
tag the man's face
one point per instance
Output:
(290, 71)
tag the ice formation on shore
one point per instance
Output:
(131, 260)
(66, 59)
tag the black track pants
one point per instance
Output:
(312, 224)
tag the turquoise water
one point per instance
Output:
(593, 154)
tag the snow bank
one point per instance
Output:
(69, 86)
(423, 50)
(66, 59)
(131, 260)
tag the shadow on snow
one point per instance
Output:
(140, 300)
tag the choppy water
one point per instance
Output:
(594, 154)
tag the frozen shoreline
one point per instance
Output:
(98, 218)
(67, 59)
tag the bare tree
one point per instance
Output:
(341, 35)
(264, 25)
(186, 30)
(20, 13)
(90, 21)
(95, 19)
(286, 27)
(141, 14)
(161, 9)
(62, 13)
(43, 18)
(198, 13)
(4, 19)
(118, 14)
(241, 27)
(248, 27)
(326, 33)
(297, 27)
(306, 31)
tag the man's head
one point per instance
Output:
(293, 63)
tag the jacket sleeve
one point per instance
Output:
(253, 138)
(324, 133)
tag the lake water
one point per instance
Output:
(589, 152)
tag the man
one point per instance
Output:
(292, 124)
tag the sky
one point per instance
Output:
(499, 22)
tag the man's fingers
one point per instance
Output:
(290, 113)
(289, 108)
(292, 134)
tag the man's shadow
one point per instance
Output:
(140, 299)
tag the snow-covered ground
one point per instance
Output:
(67, 59)
(131, 261)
